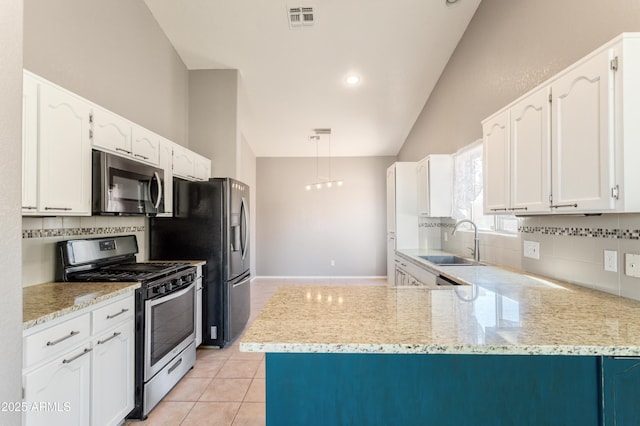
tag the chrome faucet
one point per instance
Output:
(476, 245)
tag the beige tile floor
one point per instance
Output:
(226, 386)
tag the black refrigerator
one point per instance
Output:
(211, 222)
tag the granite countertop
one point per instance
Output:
(499, 312)
(47, 301)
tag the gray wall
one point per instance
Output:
(10, 202)
(213, 118)
(112, 53)
(508, 48)
(299, 232)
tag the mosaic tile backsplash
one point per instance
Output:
(40, 235)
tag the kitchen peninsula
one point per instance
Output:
(506, 348)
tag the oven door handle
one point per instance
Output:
(170, 296)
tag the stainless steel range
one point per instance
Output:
(165, 309)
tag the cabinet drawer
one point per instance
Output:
(112, 314)
(55, 340)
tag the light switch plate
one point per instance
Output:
(611, 260)
(632, 265)
(531, 249)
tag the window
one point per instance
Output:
(467, 192)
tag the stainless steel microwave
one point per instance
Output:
(126, 187)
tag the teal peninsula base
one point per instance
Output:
(449, 389)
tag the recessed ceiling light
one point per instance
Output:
(352, 80)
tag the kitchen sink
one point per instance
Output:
(450, 261)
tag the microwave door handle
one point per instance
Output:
(155, 177)
(244, 209)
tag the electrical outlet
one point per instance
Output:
(632, 265)
(532, 249)
(611, 260)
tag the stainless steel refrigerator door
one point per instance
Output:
(239, 257)
(238, 306)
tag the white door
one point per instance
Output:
(65, 153)
(391, 199)
(59, 393)
(583, 139)
(111, 132)
(530, 149)
(496, 163)
(29, 145)
(113, 375)
(145, 145)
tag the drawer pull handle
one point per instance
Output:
(559, 206)
(115, 334)
(86, 351)
(119, 313)
(174, 366)
(123, 150)
(141, 156)
(58, 208)
(62, 339)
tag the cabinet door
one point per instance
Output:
(496, 163)
(183, 162)
(621, 380)
(583, 142)
(60, 390)
(422, 181)
(166, 163)
(201, 167)
(113, 375)
(111, 132)
(530, 148)
(145, 145)
(65, 153)
(439, 185)
(29, 145)
(391, 199)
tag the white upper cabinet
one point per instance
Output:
(201, 167)
(111, 132)
(529, 147)
(64, 153)
(29, 145)
(573, 142)
(496, 163)
(434, 185)
(583, 139)
(190, 165)
(145, 145)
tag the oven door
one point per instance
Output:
(169, 328)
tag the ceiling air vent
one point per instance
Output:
(300, 16)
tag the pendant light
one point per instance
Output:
(327, 182)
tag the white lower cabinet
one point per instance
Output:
(112, 375)
(408, 273)
(92, 381)
(58, 393)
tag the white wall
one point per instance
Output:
(213, 118)
(299, 232)
(10, 205)
(112, 53)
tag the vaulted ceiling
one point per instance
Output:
(293, 78)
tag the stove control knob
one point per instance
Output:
(176, 283)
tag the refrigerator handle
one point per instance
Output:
(245, 210)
